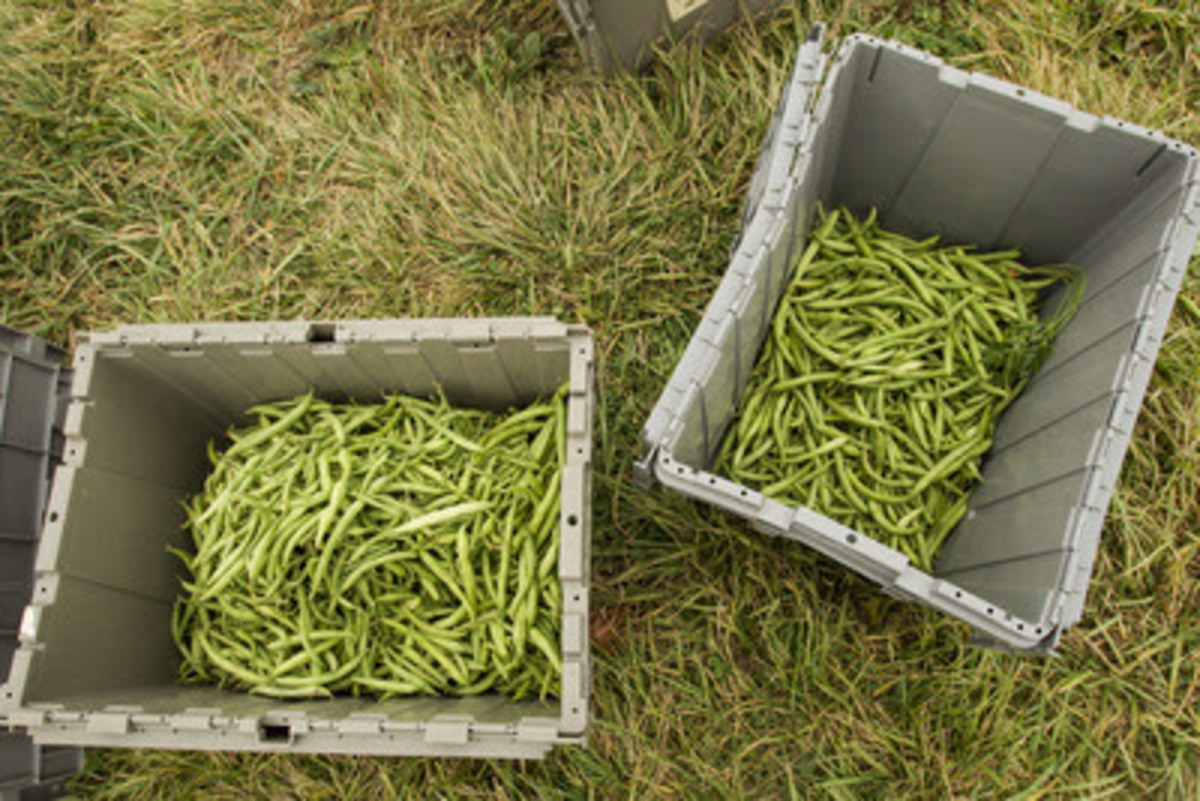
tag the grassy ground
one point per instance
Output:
(255, 159)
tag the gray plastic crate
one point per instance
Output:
(33, 771)
(96, 664)
(981, 161)
(620, 34)
(33, 383)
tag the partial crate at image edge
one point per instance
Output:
(34, 387)
(615, 35)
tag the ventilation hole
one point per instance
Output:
(575, 597)
(272, 733)
(681, 471)
(991, 611)
(1038, 630)
(744, 493)
(712, 481)
(851, 538)
(574, 710)
(572, 520)
(54, 517)
(1020, 93)
(958, 593)
(580, 451)
(1020, 627)
(321, 332)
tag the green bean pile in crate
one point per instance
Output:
(887, 365)
(399, 548)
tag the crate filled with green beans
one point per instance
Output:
(366, 537)
(929, 349)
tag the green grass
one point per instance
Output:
(252, 159)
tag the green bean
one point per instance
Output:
(388, 688)
(291, 692)
(264, 434)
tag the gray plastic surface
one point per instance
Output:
(96, 665)
(619, 35)
(33, 381)
(977, 160)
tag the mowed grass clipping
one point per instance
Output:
(246, 159)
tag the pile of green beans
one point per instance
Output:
(886, 367)
(391, 549)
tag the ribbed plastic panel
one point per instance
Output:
(33, 394)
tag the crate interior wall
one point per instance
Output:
(621, 34)
(937, 150)
(33, 389)
(98, 666)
